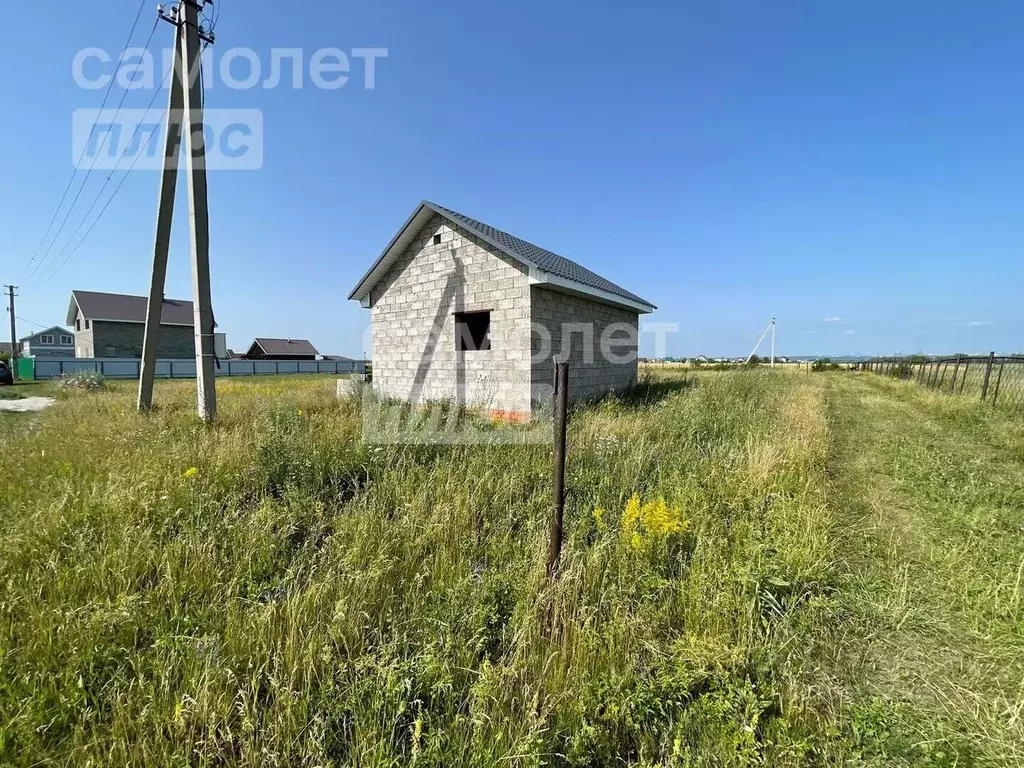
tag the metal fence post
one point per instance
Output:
(956, 369)
(999, 380)
(988, 375)
(561, 417)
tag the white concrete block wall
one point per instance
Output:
(413, 328)
(413, 323)
(590, 373)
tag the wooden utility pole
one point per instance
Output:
(186, 97)
(14, 330)
(561, 419)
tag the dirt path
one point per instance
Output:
(26, 404)
(930, 494)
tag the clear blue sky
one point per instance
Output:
(728, 161)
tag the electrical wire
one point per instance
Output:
(30, 322)
(110, 176)
(71, 181)
(103, 210)
(92, 166)
(59, 264)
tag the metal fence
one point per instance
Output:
(996, 380)
(128, 368)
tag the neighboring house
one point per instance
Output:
(463, 311)
(337, 359)
(700, 359)
(5, 348)
(53, 342)
(281, 349)
(113, 325)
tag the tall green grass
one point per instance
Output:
(272, 590)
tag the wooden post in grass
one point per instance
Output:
(988, 375)
(963, 379)
(956, 369)
(999, 380)
(561, 417)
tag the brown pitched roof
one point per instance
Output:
(273, 347)
(127, 309)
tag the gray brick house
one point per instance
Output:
(463, 311)
(113, 325)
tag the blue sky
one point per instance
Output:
(858, 162)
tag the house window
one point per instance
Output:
(66, 341)
(437, 239)
(78, 323)
(472, 331)
(46, 339)
(87, 325)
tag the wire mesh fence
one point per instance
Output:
(995, 380)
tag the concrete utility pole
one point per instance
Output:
(186, 97)
(14, 330)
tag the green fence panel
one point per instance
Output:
(26, 368)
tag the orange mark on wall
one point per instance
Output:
(511, 417)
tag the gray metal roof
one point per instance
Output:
(53, 330)
(526, 253)
(127, 309)
(541, 258)
(272, 347)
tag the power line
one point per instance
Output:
(104, 208)
(110, 176)
(60, 263)
(74, 171)
(32, 322)
(88, 173)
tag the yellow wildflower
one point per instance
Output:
(190, 472)
(643, 524)
(599, 518)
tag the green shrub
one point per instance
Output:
(824, 364)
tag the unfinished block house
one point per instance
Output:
(462, 311)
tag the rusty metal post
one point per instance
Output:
(956, 369)
(999, 380)
(988, 375)
(561, 419)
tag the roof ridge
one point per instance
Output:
(555, 270)
(537, 256)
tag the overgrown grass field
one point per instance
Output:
(760, 569)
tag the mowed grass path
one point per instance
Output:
(930, 510)
(761, 569)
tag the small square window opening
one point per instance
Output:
(437, 239)
(472, 331)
